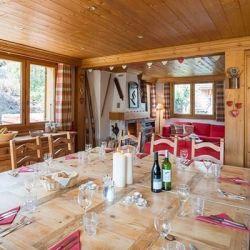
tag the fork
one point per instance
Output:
(231, 195)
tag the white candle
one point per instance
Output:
(119, 169)
(129, 166)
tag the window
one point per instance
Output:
(41, 93)
(27, 90)
(10, 92)
(193, 100)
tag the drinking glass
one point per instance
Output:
(84, 199)
(90, 222)
(175, 245)
(31, 202)
(207, 163)
(88, 147)
(48, 160)
(29, 183)
(198, 205)
(162, 225)
(183, 154)
(216, 168)
(102, 152)
(183, 192)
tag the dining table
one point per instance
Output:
(122, 226)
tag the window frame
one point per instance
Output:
(192, 115)
(25, 124)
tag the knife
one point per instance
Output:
(228, 222)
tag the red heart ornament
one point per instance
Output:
(229, 103)
(238, 105)
(235, 112)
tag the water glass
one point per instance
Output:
(198, 205)
(102, 152)
(31, 202)
(183, 154)
(84, 198)
(88, 147)
(216, 168)
(174, 245)
(48, 160)
(81, 156)
(90, 221)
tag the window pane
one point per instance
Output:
(37, 93)
(204, 99)
(182, 99)
(10, 92)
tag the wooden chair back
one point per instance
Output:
(131, 138)
(60, 146)
(25, 153)
(167, 141)
(220, 149)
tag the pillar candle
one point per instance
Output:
(119, 169)
(129, 168)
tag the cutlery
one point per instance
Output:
(23, 222)
(231, 195)
(228, 222)
(7, 215)
(68, 243)
(13, 173)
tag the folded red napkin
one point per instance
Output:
(141, 155)
(223, 220)
(8, 216)
(25, 169)
(235, 180)
(70, 157)
(71, 242)
(109, 150)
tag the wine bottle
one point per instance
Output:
(166, 173)
(156, 179)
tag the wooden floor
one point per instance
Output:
(127, 227)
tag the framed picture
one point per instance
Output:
(133, 97)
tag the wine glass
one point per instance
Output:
(175, 245)
(29, 183)
(162, 225)
(84, 199)
(207, 163)
(183, 155)
(48, 160)
(183, 192)
(88, 147)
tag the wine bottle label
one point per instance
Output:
(166, 175)
(157, 184)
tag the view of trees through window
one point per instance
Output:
(10, 91)
(182, 99)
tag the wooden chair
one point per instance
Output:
(220, 149)
(25, 153)
(166, 141)
(131, 138)
(60, 145)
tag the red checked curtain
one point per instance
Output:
(220, 109)
(153, 101)
(166, 101)
(63, 97)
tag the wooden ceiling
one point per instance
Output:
(92, 28)
(199, 66)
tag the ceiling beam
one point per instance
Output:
(191, 50)
(17, 49)
(196, 79)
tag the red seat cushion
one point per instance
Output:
(217, 131)
(202, 129)
(166, 131)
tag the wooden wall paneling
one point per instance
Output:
(80, 108)
(247, 111)
(234, 127)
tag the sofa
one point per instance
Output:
(206, 132)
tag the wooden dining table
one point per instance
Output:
(122, 226)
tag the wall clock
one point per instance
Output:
(133, 97)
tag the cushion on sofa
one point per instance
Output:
(172, 129)
(166, 131)
(183, 123)
(209, 138)
(178, 129)
(188, 129)
(202, 129)
(217, 131)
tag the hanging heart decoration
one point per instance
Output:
(180, 59)
(229, 103)
(235, 112)
(238, 105)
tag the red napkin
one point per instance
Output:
(235, 180)
(109, 150)
(71, 242)
(25, 169)
(70, 157)
(141, 155)
(10, 219)
(223, 220)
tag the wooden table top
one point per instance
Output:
(121, 226)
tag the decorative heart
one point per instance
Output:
(238, 105)
(180, 59)
(235, 112)
(229, 103)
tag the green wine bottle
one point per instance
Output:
(166, 173)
